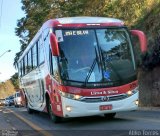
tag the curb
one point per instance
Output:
(149, 108)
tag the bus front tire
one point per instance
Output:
(53, 117)
(109, 115)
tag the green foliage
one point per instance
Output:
(15, 81)
(71, 7)
(6, 89)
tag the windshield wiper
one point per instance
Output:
(90, 71)
(92, 68)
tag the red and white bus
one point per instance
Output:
(81, 66)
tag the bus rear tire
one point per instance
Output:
(109, 115)
(53, 117)
(29, 110)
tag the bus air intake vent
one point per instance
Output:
(104, 98)
(117, 97)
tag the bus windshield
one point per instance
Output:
(96, 55)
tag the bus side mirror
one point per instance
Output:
(54, 45)
(142, 39)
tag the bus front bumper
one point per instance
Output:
(74, 108)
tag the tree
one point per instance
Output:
(14, 80)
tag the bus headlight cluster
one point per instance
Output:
(70, 96)
(69, 108)
(131, 92)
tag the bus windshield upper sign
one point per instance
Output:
(76, 32)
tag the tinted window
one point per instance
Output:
(19, 69)
(34, 55)
(96, 55)
(47, 48)
(78, 54)
(40, 51)
(29, 61)
(22, 67)
(117, 54)
(18, 95)
(26, 64)
(55, 68)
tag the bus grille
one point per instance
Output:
(104, 98)
(117, 97)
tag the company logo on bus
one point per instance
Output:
(113, 92)
(105, 98)
(105, 92)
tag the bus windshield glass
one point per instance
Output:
(96, 55)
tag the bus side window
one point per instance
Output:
(19, 69)
(50, 60)
(55, 68)
(40, 51)
(34, 56)
(47, 49)
(29, 68)
(24, 66)
(26, 63)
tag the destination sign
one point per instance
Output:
(76, 32)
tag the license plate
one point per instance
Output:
(105, 107)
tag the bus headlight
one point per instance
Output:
(131, 92)
(69, 108)
(77, 97)
(70, 96)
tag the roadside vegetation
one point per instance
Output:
(6, 89)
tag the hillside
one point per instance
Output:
(6, 89)
(149, 79)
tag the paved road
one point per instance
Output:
(140, 122)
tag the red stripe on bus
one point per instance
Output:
(100, 91)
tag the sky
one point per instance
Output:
(11, 12)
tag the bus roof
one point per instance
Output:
(87, 20)
(82, 21)
(74, 22)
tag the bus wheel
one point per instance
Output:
(53, 117)
(29, 110)
(109, 115)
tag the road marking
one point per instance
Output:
(35, 127)
(5, 111)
